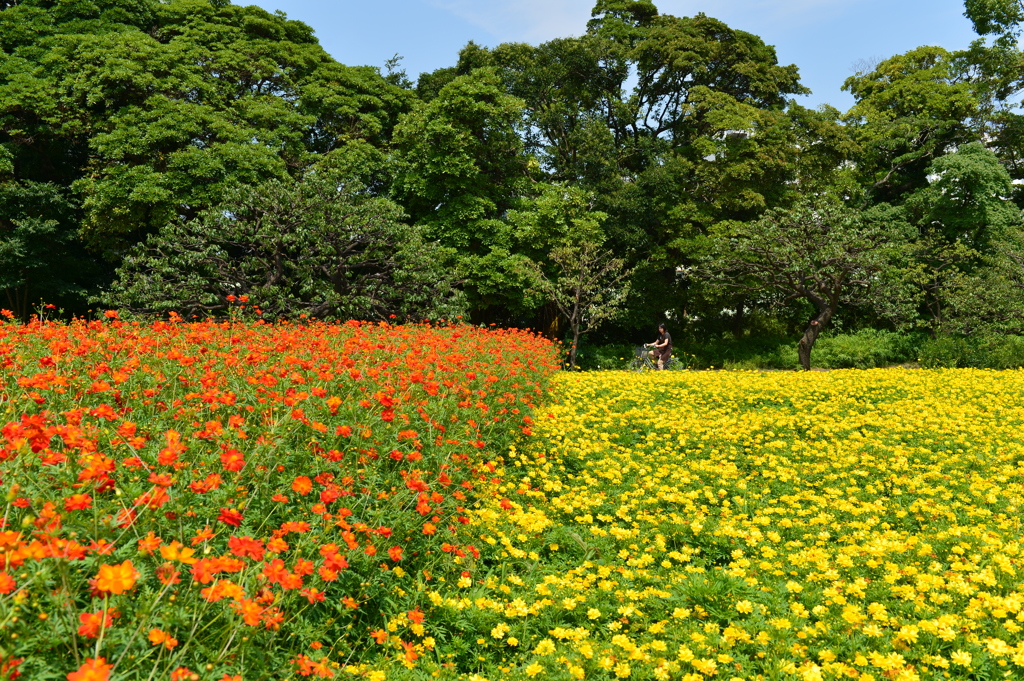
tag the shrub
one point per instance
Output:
(863, 349)
(988, 351)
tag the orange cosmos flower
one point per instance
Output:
(167, 574)
(78, 502)
(116, 579)
(302, 485)
(169, 454)
(158, 636)
(232, 460)
(177, 552)
(202, 535)
(249, 610)
(246, 547)
(149, 543)
(93, 670)
(313, 595)
(410, 652)
(94, 622)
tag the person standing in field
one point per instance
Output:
(662, 347)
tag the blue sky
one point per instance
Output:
(825, 38)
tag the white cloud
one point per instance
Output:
(540, 20)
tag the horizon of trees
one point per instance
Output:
(167, 155)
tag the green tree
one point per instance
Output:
(910, 110)
(460, 167)
(968, 200)
(145, 112)
(819, 251)
(971, 236)
(588, 286)
(999, 18)
(674, 123)
(41, 257)
(556, 217)
(995, 65)
(319, 246)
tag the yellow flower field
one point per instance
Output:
(849, 524)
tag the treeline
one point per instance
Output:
(161, 156)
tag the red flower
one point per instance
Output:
(94, 622)
(230, 516)
(246, 547)
(395, 553)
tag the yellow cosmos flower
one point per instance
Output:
(962, 658)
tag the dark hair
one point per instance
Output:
(663, 327)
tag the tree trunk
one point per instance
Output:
(814, 329)
(575, 344)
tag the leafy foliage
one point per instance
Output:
(151, 111)
(911, 109)
(318, 247)
(651, 134)
(41, 257)
(587, 286)
(819, 251)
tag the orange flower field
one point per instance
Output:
(213, 500)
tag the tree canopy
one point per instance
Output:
(164, 142)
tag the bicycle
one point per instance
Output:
(643, 362)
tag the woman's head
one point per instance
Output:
(661, 327)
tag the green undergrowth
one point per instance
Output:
(864, 349)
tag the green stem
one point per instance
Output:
(103, 626)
